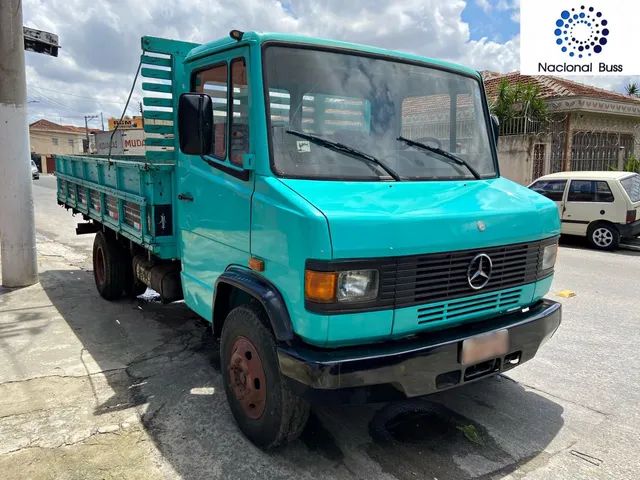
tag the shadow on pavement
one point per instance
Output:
(161, 359)
(581, 243)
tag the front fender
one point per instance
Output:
(263, 291)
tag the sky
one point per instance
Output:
(101, 40)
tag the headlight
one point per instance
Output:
(357, 285)
(549, 256)
(344, 287)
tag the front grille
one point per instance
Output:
(476, 306)
(439, 277)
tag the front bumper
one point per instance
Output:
(418, 366)
(629, 229)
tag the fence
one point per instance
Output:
(523, 126)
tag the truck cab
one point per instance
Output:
(340, 219)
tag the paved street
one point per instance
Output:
(132, 389)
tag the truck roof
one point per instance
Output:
(260, 37)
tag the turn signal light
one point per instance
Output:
(631, 216)
(320, 286)
(256, 264)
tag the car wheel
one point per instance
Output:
(603, 236)
(109, 267)
(267, 412)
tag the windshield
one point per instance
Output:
(373, 106)
(632, 186)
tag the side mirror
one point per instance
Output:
(495, 123)
(195, 123)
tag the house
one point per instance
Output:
(48, 138)
(589, 129)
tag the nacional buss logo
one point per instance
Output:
(579, 37)
(581, 32)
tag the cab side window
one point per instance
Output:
(590, 191)
(213, 82)
(552, 189)
(239, 111)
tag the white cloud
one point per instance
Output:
(485, 5)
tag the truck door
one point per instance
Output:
(586, 201)
(214, 192)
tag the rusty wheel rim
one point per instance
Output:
(246, 378)
(100, 267)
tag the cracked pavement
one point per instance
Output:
(132, 389)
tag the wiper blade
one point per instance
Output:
(443, 153)
(346, 149)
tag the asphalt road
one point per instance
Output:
(572, 412)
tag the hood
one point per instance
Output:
(379, 219)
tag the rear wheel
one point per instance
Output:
(603, 236)
(109, 267)
(264, 408)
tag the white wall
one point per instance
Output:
(515, 155)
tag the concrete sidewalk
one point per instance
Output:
(68, 398)
(91, 389)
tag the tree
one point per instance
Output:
(633, 90)
(632, 164)
(519, 100)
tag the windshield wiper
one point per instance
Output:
(443, 153)
(346, 149)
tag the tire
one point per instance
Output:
(278, 416)
(109, 267)
(603, 236)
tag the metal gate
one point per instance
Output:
(599, 150)
(539, 150)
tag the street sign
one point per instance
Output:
(40, 41)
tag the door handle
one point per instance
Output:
(187, 197)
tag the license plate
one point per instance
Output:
(483, 347)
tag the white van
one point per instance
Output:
(603, 206)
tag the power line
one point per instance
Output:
(56, 104)
(77, 96)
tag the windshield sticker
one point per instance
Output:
(303, 146)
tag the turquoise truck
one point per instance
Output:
(335, 211)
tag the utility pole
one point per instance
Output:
(86, 128)
(17, 226)
(102, 121)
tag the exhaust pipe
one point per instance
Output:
(163, 277)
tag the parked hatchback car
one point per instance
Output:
(35, 174)
(603, 206)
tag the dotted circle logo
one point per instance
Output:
(581, 32)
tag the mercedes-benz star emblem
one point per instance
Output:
(479, 271)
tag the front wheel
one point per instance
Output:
(265, 409)
(603, 236)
